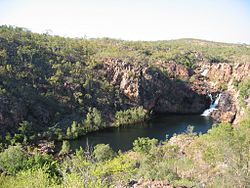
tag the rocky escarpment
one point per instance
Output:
(160, 87)
(168, 87)
(223, 77)
(157, 88)
(13, 111)
(51, 82)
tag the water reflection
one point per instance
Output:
(122, 138)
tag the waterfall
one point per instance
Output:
(211, 99)
(216, 102)
(212, 106)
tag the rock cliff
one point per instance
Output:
(159, 88)
(222, 77)
(169, 87)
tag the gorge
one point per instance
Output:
(113, 113)
(62, 81)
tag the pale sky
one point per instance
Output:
(216, 20)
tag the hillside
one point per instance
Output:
(50, 81)
(54, 88)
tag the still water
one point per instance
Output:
(122, 138)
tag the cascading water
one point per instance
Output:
(211, 98)
(212, 106)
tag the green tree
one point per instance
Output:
(93, 119)
(144, 145)
(103, 152)
(130, 116)
(69, 133)
(74, 129)
(65, 147)
(25, 127)
(13, 159)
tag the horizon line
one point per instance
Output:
(50, 33)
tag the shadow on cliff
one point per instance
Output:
(161, 94)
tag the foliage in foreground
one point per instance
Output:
(219, 158)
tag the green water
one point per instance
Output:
(122, 138)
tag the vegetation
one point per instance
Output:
(13, 159)
(244, 88)
(144, 145)
(57, 88)
(219, 158)
(93, 120)
(103, 152)
(65, 147)
(130, 116)
(51, 81)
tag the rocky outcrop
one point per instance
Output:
(222, 77)
(154, 184)
(157, 88)
(11, 113)
(161, 87)
(171, 96)
(220, 73)
(169, 87)
(175, 70)
(241, 71)
(226, 109)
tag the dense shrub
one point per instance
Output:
(144, 144)
(43, 161)
(65, 147)
(130, 116)
(244, 88)
(93, 119)
(103, 152)
(13, 159)
(28, 179)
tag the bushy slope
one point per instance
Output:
(61, 87)
(46, 80)
(49, 82)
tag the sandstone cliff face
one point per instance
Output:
(226, 109)
(157, 88)
(12, 112)
(163, 87)
(168, 87)
(221, 77)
